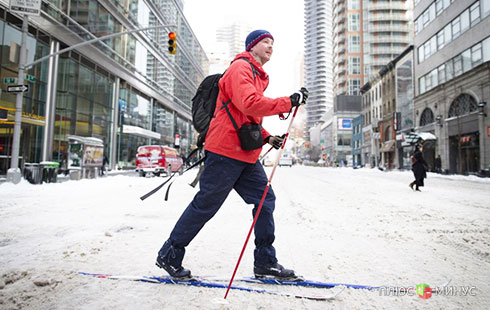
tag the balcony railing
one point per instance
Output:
(385, 6)
(389, 28)
(395, 50)
(387, 39)
(387, 17)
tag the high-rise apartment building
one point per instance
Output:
(387, 31)
(318, 60)
(367, 34)
(347, 47)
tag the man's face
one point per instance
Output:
(263, 50)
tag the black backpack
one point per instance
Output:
(204, 103)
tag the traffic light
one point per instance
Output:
(172, 43)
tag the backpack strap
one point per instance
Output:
(254, 71)
(225, 106)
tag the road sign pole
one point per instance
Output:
(14, 171)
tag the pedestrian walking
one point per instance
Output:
(105, 161)
(419, 168)
(437, 164)
(228, 166)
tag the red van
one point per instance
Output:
(158, 159)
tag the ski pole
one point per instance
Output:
(261, 201)
(263, 156)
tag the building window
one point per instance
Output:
(441, 74)
(354, 22)
(485, 7)
(448, 36)
(456, 27)
(427, 117)
(475, 13)
(431, 79)
(449, 70)
(427, 50)
(458, 66)
(354, 65)
(354, 44)
(354, 86)
(465, 20)
(440, 39)
(420, 51)
(464, 104)
(422, 85)
(486, 50)
(476, 56)
(466, 57)
(425, 18)
(354, 5)
(439, 7)
(433, 45)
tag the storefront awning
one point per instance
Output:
(141, 132)
(414, 137)
(388, 146)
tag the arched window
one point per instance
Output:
(464, 104)
(427, 117)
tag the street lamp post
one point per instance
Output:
(13, 174)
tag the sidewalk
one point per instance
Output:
(63, 178)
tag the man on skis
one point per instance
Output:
(229, 166)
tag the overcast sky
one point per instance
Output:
(282, 18)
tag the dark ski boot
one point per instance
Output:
(170, 259)
(275, 271)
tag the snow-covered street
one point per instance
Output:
(359, 226)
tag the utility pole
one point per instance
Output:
(14, 174)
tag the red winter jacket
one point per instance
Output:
(248, 105)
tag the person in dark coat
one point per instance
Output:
(419, 168)
(437, 164)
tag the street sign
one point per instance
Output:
(17, 89)
(27, 7)
(9, 80)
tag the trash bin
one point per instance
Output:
(33, 173)
(50, 171)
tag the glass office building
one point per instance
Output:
(127, 90)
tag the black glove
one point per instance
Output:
(299, 97)
(275, 141)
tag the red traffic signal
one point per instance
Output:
(172, 43)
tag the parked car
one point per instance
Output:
(267, 162)
(158, 159)
(286, 160)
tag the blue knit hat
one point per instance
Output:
(255, 37)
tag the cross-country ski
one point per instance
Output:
(199, 282)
